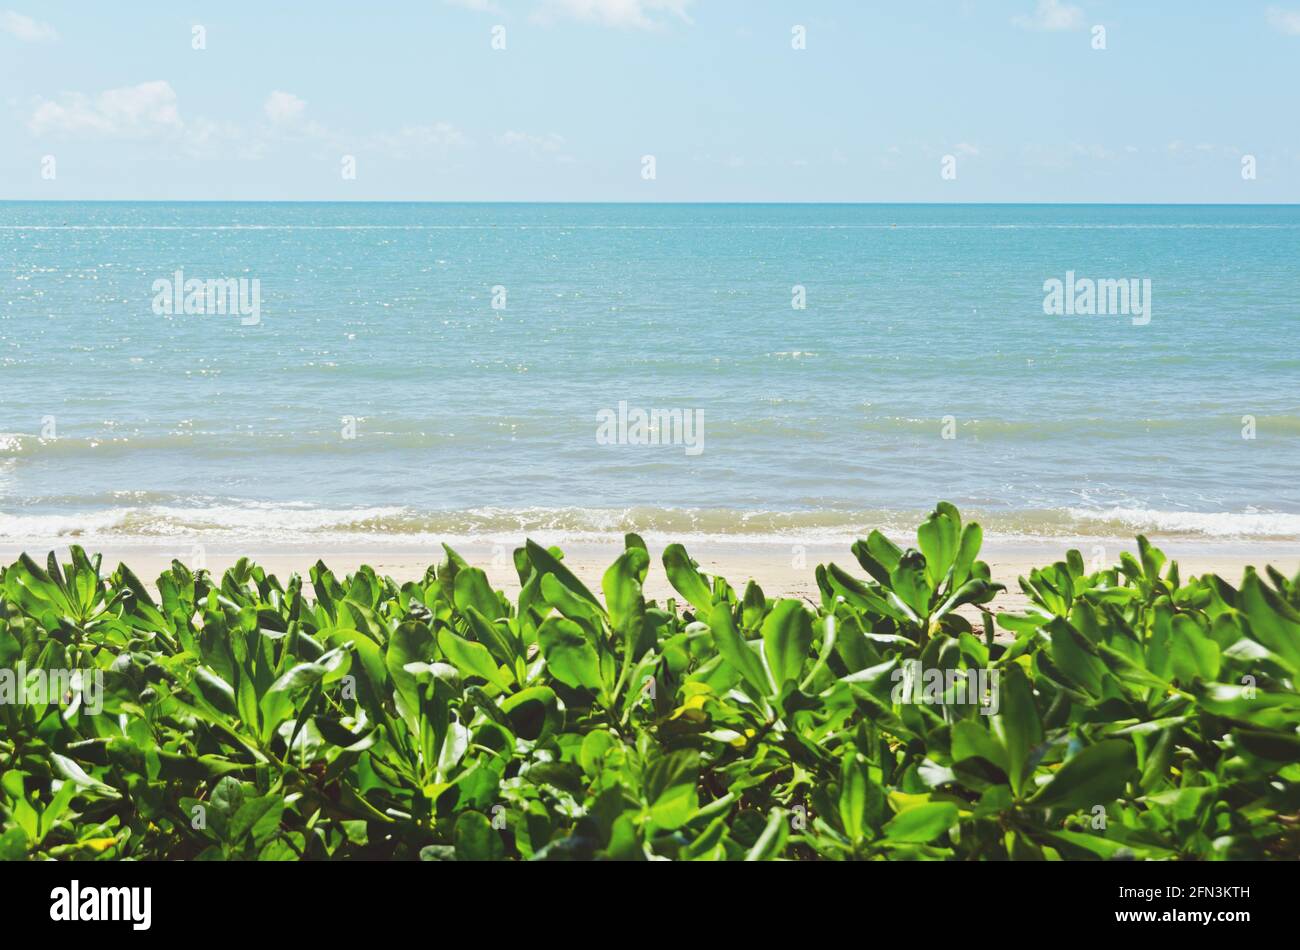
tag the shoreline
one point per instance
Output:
(781, 570)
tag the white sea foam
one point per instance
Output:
(1210, 524)
(261, 523)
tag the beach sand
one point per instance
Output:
(780, 570)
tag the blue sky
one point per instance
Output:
(1013, 90)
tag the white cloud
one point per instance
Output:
(625, 14)
(1098, 153)
(1051, 16)
(149, 111)
(538, 146)
(416, 141)
(209, 138)
(128, 112)
(25, 28)
(283, 107)
(1284, 21)
(965, 148)
(287, 114)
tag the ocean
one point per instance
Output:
(741, 372)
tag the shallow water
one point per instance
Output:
(377, 320)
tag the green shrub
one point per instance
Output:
(1125, 713)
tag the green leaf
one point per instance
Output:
(686, 580)
(971, 740)
(533, 713)
(878, 556)
(1194, 655)
(214, 690)
(922, 823)
(737, 652)
(411, 643)
(908, 582)
(670, 788)
(594, 746)
(1152, 559)
(1273, 622)
(1156, 768)
(622, 586)
(567, 602)
(373, 668)
(972, 537)
(257, 817)
(328, 668)
(1095, 776)
(473, 590)
(1072, 658)
(974, 591)
(476, 839)
(868, 598)
(71, 772)
(1104, 848)
(472, 659)
(13, 844)
(495, 635)
(938, 536)
(771, 842)
(546, 563)
(1017, 725)
(570, 655)
(787, 638)
(862, 801)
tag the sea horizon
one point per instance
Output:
(452, 201)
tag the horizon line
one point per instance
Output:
(446, 201)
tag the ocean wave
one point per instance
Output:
(1210, 524)
(323, 441)
(267, 523)
(282, 523)
(398, 436)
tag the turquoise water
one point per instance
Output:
(474, 420)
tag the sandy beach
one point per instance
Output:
(781, 570)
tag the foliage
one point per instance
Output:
(1137, 715)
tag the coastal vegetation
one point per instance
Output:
(1127, 712)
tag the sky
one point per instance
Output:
(735, 100)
